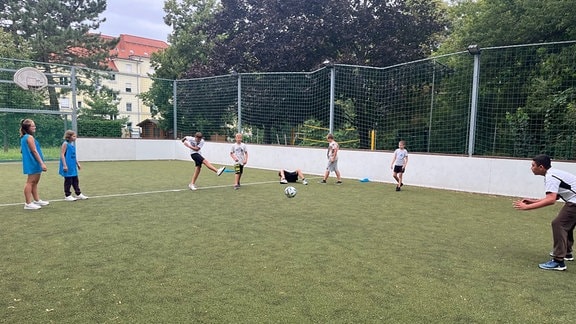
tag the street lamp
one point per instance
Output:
(474, 49)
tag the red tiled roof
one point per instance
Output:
(130, 46)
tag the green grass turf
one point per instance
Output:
(14, 155)
(143, 249)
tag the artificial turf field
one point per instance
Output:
(145, 249)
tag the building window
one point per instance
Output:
(64, 81)
(129, 68)
(79, 104)
(128, 106)
(65, 103)
(128, 87)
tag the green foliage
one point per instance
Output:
(101, 105)
(518, 133)
(50, 128)
(313, 133)
(57, 32)
(215, 38)
(190, 46)
(298, 35)
(491, 23)
(100, 128)
(49, 132)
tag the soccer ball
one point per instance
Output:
(290, 192)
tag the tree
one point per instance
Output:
(12, 96)
(190, 47)
(57, 32)
(101, 104)
(543, 88)
(298, 35)
(492, 23)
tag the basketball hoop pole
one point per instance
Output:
(74, 116)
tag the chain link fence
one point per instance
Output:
(514, 101)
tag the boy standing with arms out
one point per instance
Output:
(332, 155)
(399, 163)
(239, 154)
(559, 185)
(195, 145)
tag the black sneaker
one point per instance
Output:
(397, 188)
(338, 182)
(568, 257)
(322, 181)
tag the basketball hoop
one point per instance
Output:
(29, 78)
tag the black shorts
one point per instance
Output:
(398, 169)
(291, 176)
(198, 159)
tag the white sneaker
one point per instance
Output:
(31, 205)
(192, 187)
(283, 181)
(42, 203)
(81, 196)
(70, 198)
(219, 172)
(305, 182)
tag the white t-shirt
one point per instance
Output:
(400, 155)
(561, 182)
(240, 151)
(192, 141)
(332, 148)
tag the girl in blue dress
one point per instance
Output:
(69, 167)
(32, 164)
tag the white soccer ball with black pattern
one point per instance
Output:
(290, 192)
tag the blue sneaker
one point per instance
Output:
(553, 265)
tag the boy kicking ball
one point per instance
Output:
(195, 145)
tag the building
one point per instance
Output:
(130, 75)
(131, 61)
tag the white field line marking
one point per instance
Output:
(154, 192)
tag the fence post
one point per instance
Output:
(239, 100)
(474, 50)
(431, 105)
(332, 94)
(174, 105)
(74, 116)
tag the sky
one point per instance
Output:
(142, 18)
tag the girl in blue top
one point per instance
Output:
(69, 167)
(32, 164)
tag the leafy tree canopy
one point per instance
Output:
(298, 35)
(57, 30)
(500, 23)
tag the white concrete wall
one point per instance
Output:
(506, 177)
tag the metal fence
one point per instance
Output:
(514, 101)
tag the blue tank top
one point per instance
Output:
(29, 163)
(70, 157)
